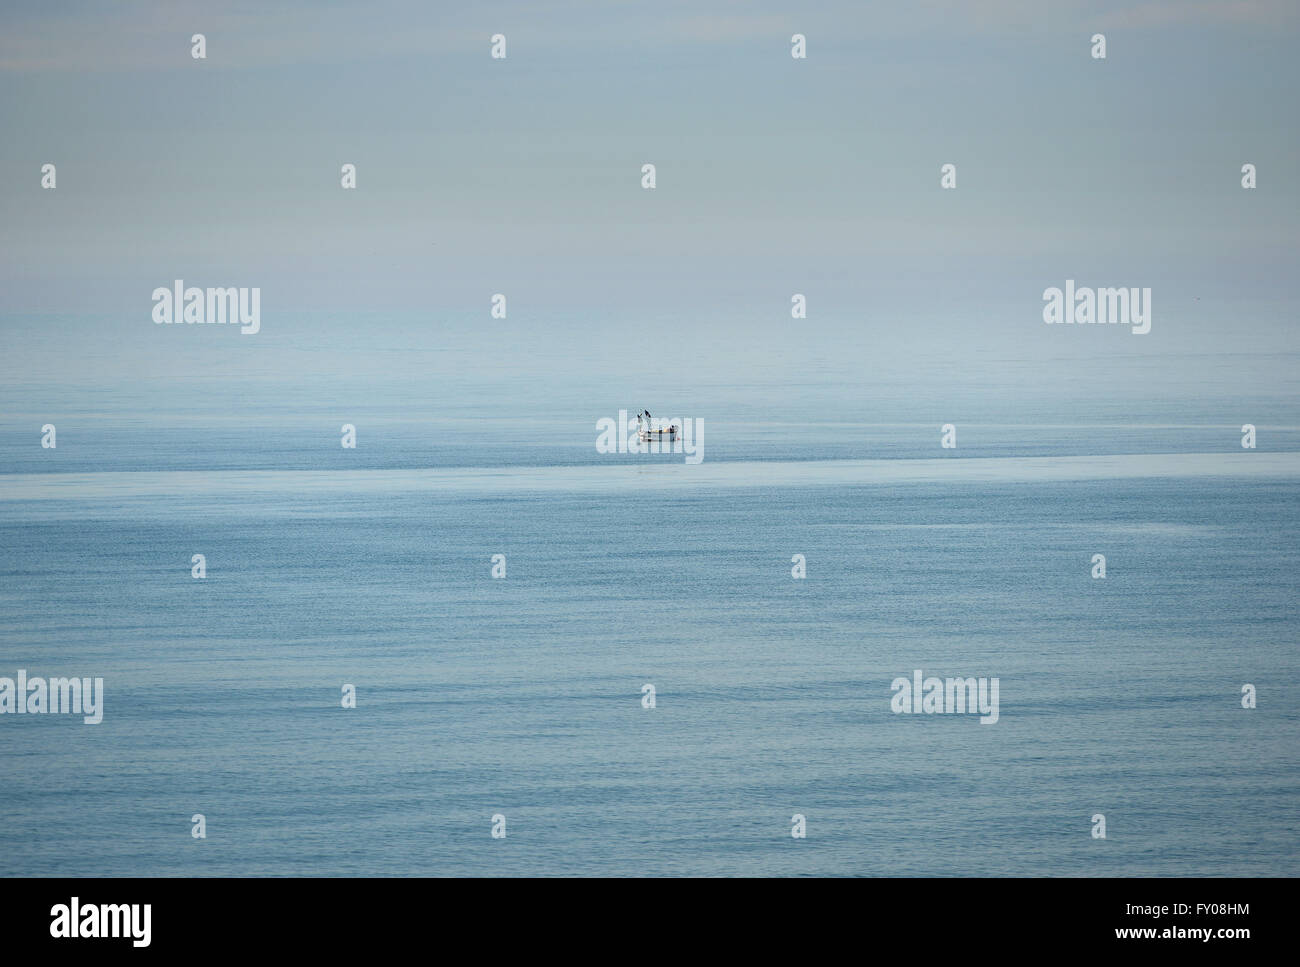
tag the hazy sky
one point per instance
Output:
(524, 175)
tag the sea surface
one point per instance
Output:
(522, 696)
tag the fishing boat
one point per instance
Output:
(646, 432)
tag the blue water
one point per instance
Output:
(522, 696)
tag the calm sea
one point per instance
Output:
(523, 696)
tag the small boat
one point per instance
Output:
(645, 433)
(668, 434)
